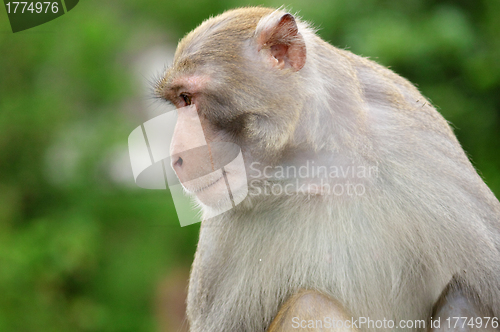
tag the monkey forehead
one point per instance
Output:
(192, 83)
(219, 35)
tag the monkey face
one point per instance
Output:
(212, 171)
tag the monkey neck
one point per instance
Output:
(334, 113)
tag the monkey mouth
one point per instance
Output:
(198, 189)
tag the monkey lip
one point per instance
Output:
(198, 189)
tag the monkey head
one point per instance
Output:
(234, 79)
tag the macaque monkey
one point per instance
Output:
(386, 220)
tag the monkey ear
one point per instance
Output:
(281, 37)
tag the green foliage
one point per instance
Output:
(82, 252)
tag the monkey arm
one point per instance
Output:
(455, 302)
(309, 310)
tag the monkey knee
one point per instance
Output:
(309, 310)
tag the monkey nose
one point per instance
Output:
(177, 163)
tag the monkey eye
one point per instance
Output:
(186, 98)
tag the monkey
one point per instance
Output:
(355, 202)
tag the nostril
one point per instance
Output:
(178, 162)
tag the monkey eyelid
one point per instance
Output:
(186, 97)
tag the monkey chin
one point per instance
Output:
(217, 192)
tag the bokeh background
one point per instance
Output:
(81, 247)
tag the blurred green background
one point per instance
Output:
(81, 247)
